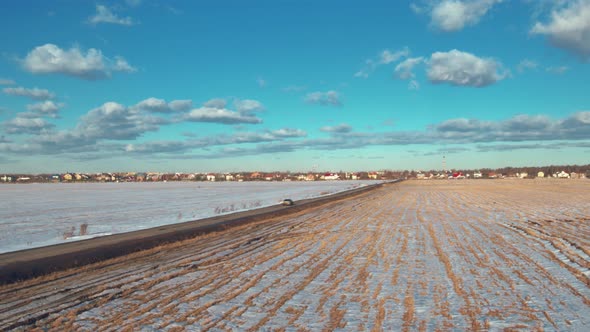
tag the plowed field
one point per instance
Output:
(418, 255)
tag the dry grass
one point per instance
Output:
(440, 255)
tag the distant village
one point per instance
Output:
(494, 175)
(559, 172)
(211, 177)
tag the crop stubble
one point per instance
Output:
(417, 255)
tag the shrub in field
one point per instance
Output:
(233, 207)
(72, 232)
(83, 229)
(69, 234)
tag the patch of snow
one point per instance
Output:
(37, 215)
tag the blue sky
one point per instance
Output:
(145, 85)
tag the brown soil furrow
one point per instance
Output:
(315, 271)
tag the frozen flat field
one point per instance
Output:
(36, 215)
(418, 255)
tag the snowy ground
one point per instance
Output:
(419, 255)
(37, 215)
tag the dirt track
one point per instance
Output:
(416, 255)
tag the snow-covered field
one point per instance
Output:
(36, 215)
(415, 256)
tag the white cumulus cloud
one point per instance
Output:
(45, 108)
(288, 132)
(34, 93)
(454, 15)
(388, 57)
(116, 122)
(106, 15)
(26, 125)
(180, 105)
(464, 69)
(220, 115)
(248, 106)
(384, 58)
(90, 65)
(338, 129)
(569, 28)
(404, 69)
(215, 103)
(328, 98)
(161, 106)
(122, 65)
